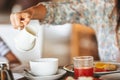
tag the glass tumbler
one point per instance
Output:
(83, 66)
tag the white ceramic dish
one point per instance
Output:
(59, 74)
(70, 69)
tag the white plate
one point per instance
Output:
(115, 76)
(70, 69)
(59, 74)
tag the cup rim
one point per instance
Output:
(83, 58)
(44, 60)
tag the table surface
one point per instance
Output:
(63, 77)
(61, 67)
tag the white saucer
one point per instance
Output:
(59, 74)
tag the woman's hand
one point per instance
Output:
(20, 19)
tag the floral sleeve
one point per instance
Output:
(60, 13)
(92, 13)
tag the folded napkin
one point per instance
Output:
(17, 76)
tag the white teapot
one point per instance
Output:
(26, 39)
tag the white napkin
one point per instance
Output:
(17, 76)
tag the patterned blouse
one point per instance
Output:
(93, 13)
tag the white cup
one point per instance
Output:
(44, 66)
(26, 39)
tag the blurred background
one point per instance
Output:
(61, 41)
(54, 40)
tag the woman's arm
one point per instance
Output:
(12, 58)
(47, 12)
(61, 13)
(7, 53)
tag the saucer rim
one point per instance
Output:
(60, 73)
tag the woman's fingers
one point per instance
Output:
(26, 18)
(19, 20)
(16, 20)
(26, 21)
(12, 19)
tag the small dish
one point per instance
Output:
(59, 74)
(69, 68)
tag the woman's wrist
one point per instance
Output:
(29, 11)
(38, 12)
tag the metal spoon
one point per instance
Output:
(29, 72)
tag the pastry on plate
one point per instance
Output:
(104, 66)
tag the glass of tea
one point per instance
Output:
(83, 66)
